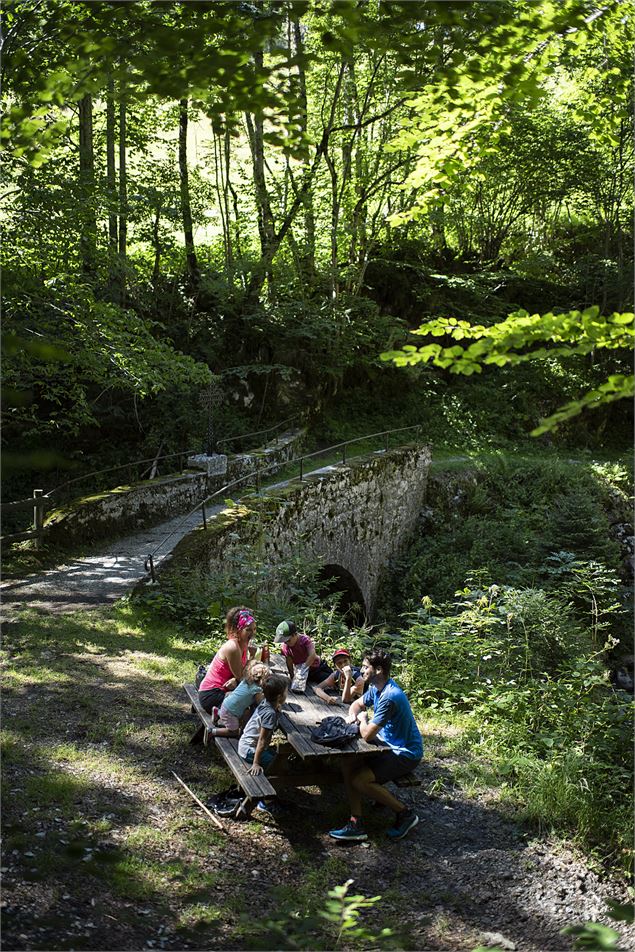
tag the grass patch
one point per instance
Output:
(54, 787)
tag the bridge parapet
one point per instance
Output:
(357, 515)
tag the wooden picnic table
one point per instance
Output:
(299, 715)
(302, 712)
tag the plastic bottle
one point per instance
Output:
(298, 686)
(265, 654)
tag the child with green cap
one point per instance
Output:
(298, 649)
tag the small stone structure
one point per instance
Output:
(112, 513)
(214, 465)
(357, 516)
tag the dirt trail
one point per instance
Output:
(100, 578)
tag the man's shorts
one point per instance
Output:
(389, 766)
(267, 757)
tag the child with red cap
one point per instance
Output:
(346, 677)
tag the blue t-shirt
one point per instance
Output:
(242, 697)
(392, 711)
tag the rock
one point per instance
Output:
(496, 939)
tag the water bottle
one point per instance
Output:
(264, 654)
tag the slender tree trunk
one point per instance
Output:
(335, 215)
(111, 175)
(88, 237)
(308, 257)
(156, 244)
(123, 199)
(266, 224)
(260, 272)
(186, 207)
(228, 191)
(221, 194)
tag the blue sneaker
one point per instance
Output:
(272, 808)
(354, 831)
(403, 825)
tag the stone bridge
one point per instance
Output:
(353, 517)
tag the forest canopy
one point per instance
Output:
(278, 193)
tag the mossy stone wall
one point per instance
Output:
(357, 515)
(141, 505)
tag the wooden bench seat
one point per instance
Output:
(203, 732)
(254, 787)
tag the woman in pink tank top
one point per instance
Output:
(227, 665)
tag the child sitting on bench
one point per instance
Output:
(254, 744)
(238, 701)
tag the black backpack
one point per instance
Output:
(225, 803)
(334, 732)
(200, 674)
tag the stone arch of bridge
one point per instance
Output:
(335, 578)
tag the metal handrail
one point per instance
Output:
(112, 469)
(257, 475)
(244, 436)
(357, 439)
(152, 459)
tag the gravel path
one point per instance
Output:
(103, 577)
(97, 579)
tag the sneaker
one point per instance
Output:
(406, 821)
(271, 807)
(354, 830)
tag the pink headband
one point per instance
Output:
(244, 620)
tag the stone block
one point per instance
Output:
(214, 465)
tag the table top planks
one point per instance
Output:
(302, 712)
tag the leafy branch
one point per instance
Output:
(521, 338)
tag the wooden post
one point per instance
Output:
(38, 516)
(301, 467)
(344, 453)
(386, 442)
(204, 516)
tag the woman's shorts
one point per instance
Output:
(267, 757)
(389, 766)
(210, 699)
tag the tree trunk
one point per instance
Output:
(123, 200)
(266, 225)
(260, 271)
(111, 175)
(186, 208)
(88, 226)
(156, 244)
(308, 257)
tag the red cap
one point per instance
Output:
(341, 653)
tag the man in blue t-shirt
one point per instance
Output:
(392, 722)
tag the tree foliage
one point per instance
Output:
(523, 337)
(210, 187)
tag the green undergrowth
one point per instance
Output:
(510, 609)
